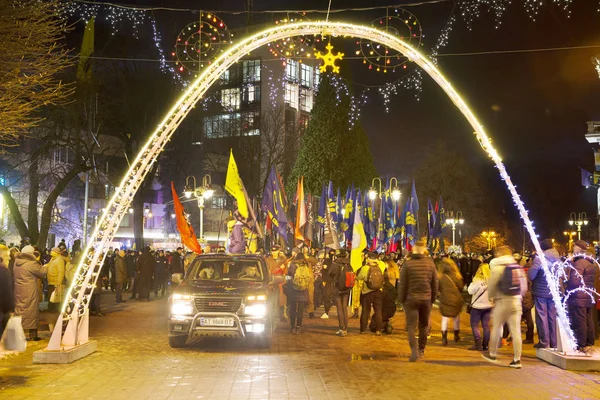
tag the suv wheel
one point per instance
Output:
(177, 341)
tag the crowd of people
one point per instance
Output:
(500, 290)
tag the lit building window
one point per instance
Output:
(251, 123)
(306, 78)
(306, 100)
(291, 70)
(251, 71)
(317, 77)
(251, 94)
(231, 98)
(290, 95)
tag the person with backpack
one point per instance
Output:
(451, 300)
(506, 288)
(343, 279)
(372, 276)
(300, 279)
(417, 292)
(480, 307)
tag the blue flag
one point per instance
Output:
(321, 217)
(368, 219)
(442, 215)
(411, 223)
(338, 210)
(390, 220)
(273, 203)
(347, 222)
(414, 198)
(587, 179)
(331, 203)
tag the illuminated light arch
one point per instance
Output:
(75, 309)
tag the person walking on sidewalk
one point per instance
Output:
(506, 288)
(545, 310)
(451, 300)
(28, 271)
(481, 307)
(300, 280)
(372, 276)
(342, 278)
(121, 274)
(418, 291)
(7, 300)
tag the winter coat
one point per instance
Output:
(587, 271)
(28, 271)
(497, 266)
(363, 273)
(451, 300)
(70, 268)
(7, 300)
(145, 269)
(388, 300)
(335, 270)
(480, 299)
(527, 301)
(393, 272)
(120, 270)
(162, 268)
(418, 279)
(293, 294)
(56, 270)
(539, 284)
(176, 264)
(237, 243)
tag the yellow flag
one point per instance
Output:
(359, 239)
(235, 187)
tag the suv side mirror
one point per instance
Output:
(177, 278)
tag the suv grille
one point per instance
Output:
(217, 304)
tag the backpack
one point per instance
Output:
(301, 279)
(510, 281)
(374, 279)
(346, 278)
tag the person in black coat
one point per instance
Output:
(177, 262)
(580, 304)
(146, 264)
(160, 274)
(7, 299)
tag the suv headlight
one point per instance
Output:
(256, 310)
(181, 305)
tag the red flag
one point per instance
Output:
(188, 237)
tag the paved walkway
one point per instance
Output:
(134, 361)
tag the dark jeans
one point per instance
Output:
(545, 319)
(323, 296)
(529, 321)
(483, 317)
(583, 325)
(296, 312)
(160, 285)
(341, 303)
(119, 292)
(417, 311)
(52, 307)
(372, 298)
(95, 303)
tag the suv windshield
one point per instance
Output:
(206, 269)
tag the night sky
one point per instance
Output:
(534, 105)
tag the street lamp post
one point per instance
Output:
(454, 219)
(201, 192)
(491, 238)
(570, 234)
(578, 220)
(394, 191)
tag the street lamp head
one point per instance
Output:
(585, 221)
(450, 221)
(188, 191)
(208, 193)
(461, 221)
(396, 194)
(149, 214)
(146, 210)
(372, 194)
(131, 211)
(571, 222)
(173, 215)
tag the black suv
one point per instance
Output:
(226, 296)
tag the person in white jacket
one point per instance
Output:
(481, 307)
(507, 307)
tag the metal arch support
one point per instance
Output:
(88, 269)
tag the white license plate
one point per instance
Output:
(216, 321)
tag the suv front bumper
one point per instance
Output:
(243, 326)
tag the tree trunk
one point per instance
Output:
(15, 213)
(138, 220)
(50, 202)
(34, 190)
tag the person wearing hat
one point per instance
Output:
(545, 310)
(28, 271)
(580, 304)
(56, 277)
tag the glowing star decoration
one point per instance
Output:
(329, 59)
(86, 275)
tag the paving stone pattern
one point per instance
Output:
(134, 361)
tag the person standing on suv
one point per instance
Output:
(418, 291)
(276, 263)
(300, 279)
